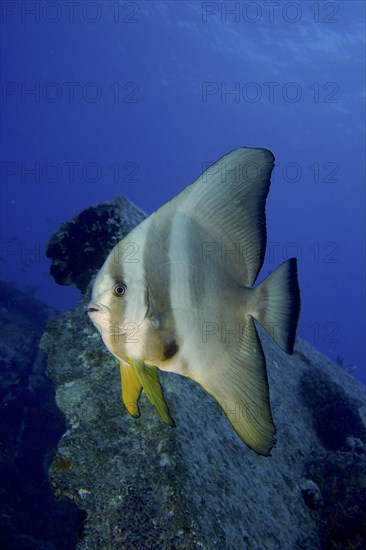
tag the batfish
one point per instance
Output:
(177, 294)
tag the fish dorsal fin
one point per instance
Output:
(149, 379)
(241, 389)
(224, 213)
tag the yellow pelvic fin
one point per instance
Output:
(131, 388)
(149, 380)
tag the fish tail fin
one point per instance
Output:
(277, 307)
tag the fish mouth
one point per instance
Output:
(94, 307)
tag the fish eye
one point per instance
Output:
(119, 289)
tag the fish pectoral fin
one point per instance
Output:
(165, 321)
(149, 380)
(241, 389)
(131, 388)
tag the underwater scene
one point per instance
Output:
(182, 275)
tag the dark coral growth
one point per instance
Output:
(30, 428)
(335, 414)
(79, 248)
(341, 477)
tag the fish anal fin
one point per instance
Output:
(149, 380)
(241, 389)
(131, 388)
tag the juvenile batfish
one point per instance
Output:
(177, 294)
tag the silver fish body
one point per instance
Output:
(177, 294)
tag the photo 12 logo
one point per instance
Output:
(214, 252)
(69, 172)
(270, 12)
(69, 92)
(269, 92)
(69, 11)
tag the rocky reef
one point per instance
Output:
(80, 246)
(145, 485)
(30, 427)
